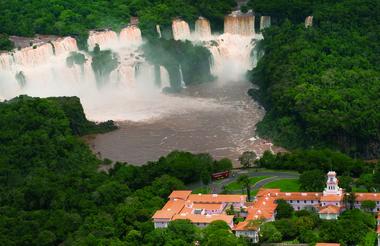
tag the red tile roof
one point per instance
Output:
(367, 196)
(182, 205)
(329, 210)
(265, 192)
(264, 206)
(180, 194)
(216, 198)
(245, 226)
(199, 218)
(308, 196)
(207, 206)
(171, 208)
(332, 198)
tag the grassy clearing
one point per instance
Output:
(287, 185)
(359, 189)
(255, 170)
(233, 186)
(202, 190)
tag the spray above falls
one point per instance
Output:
(231, 51)
(132, 85)
(181, 29)
(202, 29)
(240, 24)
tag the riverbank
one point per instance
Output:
(226, 130)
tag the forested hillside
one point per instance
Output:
(51, 192)
(321, 85)
(75, 17)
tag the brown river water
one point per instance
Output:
(224, 130)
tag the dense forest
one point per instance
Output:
(76, 17)
(172, 53)
(321, 85)
(313, 164)
(353, 227)
(51, 191)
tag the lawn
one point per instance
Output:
(236, 186)
(202, 190)
(286, 185)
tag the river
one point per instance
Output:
(224, 130)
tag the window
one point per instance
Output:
(298, 208)
(304, 201)
(298, 201)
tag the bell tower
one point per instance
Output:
(332, 187)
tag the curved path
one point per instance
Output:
(217, 186)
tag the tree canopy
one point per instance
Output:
(320, 85)
(51, 191)
(75, 17)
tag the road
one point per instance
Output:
(217, 186)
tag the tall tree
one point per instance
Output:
(283, 210)
(313, 180)
(247, 159)
(368, 205)
(245, 182)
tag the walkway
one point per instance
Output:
(217, 186)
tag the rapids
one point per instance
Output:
(218, 118)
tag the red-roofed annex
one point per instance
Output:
(202, 209)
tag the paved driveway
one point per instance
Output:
(217, 186)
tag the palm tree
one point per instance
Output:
(349, 200)
(244, 181)
(255, 223)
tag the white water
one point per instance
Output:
(183, 84)
(240, 24)
(202, 29)
(265, 22)
(181, 30)
(158, 29)
(131, 93)
(309, 21)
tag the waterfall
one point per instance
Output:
(34, 55)
(6, 60)
(105, 39)
(181, 30)
(264, 22)
(51, 69)
(48, 68)
(158, 29)
(202, 29)
(309, 21)
(231, 51)
(182, 81)
(64, 45)
(130, 35)
(165, 79)
(240, 24)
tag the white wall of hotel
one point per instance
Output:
(253, 235)
(161, 223)
(302, 204)
(328, 216)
